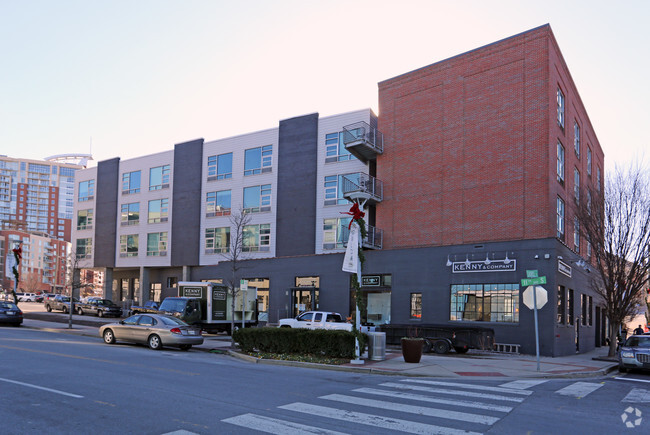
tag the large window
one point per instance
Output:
(157, 244)
(416, 306)
(560, 163)
(220, 167)
(598, 176)
(129, 245)
(158, 210)
(485, 302)
(576, 184)
(576, 138)
(130, 182)
(334, 188)
(85, 219)
(86, 190)
(256, 238)
(561, 303)
(84, 248)
(217, 203)
(560, 108)
(560, 218)
(569, 308)
(217, 240)
(583, 306)
(257, 198)
(130, 214)
(335, 233)
(576, 234)
(335, 148)
(258, 160)
(159, 177)
(588, 161)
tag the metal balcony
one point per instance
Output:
(362, 188)
(373, 239)
(363, 141)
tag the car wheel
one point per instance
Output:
(154, 342)
(100, 313)
(48, 308)
(65, 310)
(622, 369)
(186, 346)
(80, 311)
(109, 337)
(441, 346)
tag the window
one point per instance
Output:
(258, 160)
(561, 304)
(129, 245)
(576, 184)
(588, 248)
(130, 182)
(569, 308)
(416, 306)
(576, 138)
(589, 161)
(256, 238)
(560, 219)
(159, 177)
(158, 210)
(334, 188)
(130, 214)
(220, 167)
(598, 178)
(257, 198)
(584, 305)
(156, 244)
(84, 219)
(590, 310)
(560, 163)
(335, 150)
(589, 202)
(217, 240)
(560, 108)
(485, 302)
(335, 233)
(86, 190)
(576, 234)
(172, 282)
(84, 248)
(217, 203)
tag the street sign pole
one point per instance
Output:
(536, 326)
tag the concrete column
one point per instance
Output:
(143, 291)
(107, 289)
(187, 276)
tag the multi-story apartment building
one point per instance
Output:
(467, 177)
(36, 208)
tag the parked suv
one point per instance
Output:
(26, 297)
(59, 302)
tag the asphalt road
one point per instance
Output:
(55, 383)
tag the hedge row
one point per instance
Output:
(323, 342)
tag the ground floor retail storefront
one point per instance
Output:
(468, 285)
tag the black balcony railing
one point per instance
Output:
(363, 141)
(362, 186)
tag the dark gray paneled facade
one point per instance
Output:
(296, 199)
(186, 200)
(106, 197)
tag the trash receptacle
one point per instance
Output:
(377, 346)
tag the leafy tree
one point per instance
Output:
(615, 221)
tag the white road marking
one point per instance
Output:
(579, 389)
(275, 426)
(421, 398)
(374, 420)
(523, 384)
(420, 410)
(621, 378)
(470, 386)
(452, 392)
(42, 388)
(637, 395)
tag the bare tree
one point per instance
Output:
(615, 222)
(235, 254)
(31, 282)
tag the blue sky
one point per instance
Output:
(139, 76)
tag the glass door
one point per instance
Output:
(304, 299)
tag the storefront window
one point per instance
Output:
(485, 303)
(375, 297)
(416, 306)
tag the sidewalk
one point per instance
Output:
(470, 365)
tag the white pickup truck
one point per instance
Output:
(317, 320)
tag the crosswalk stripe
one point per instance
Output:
(470, 386)
(374, 420)
(579, 389)
(637, 395)
(523, 384)
(452, 392)
(421, 398)
(275, 426)
(420, 410)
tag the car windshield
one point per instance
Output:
(177, 305)
(172, 321)
(638, 342)
(8, 305)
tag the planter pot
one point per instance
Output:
(412, 349)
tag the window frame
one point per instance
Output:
(216, 199)
(89, 215)
(128, 221)
(165, 174)
(161, 242)
(262, 235)
(87, 193)
(560, 215)
(86, 248)
(211, 237)
(335, 232)
(127, 244)
(262, 194)
(561, 163)
(258, 160)
(129, 182)
(576, 138)
(500, 301)
(415, 311)
(561, 107)
(219, 168)
(163, 213)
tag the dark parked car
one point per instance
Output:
(99, 307)
(634, 353)
(154, 330)
(10, 313)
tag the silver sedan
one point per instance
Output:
(154, 330)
